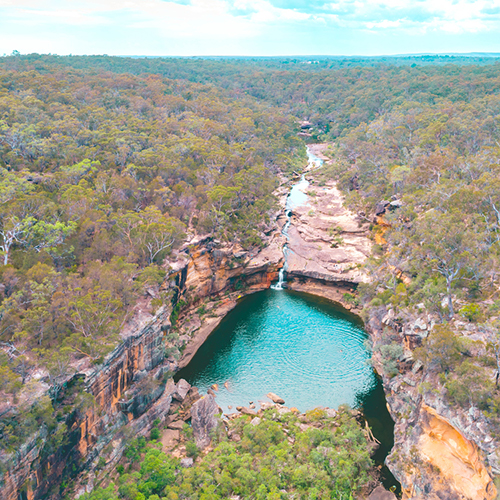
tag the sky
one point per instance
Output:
(249, 27)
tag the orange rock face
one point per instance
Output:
(456, 458)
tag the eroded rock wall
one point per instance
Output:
(131, 388)
(33, 472)
(439, 452)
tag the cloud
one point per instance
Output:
(246, 16)
(134, 25)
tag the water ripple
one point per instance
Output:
(303, 349)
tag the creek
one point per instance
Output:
(308, 350)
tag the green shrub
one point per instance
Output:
(391, 353)
(191, 449)
(441, 350)
(471, 312)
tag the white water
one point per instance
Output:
(296, 198)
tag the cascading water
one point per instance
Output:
(296, 198)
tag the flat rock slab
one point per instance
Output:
(325, 239)
(380, 493)
(177, 425)
(247, 411)
(275, 399)
(169, 439)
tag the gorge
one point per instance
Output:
(133, 389)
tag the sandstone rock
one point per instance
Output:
(380, 493)
(181, 390)
(331, 413)
(420, 324)
(187, 462)
(177, 424)
(256, 421)
(169, 438)
(192, 396)
(203, 419)
(247, 411)
(381, 206)
(264, 405)
(275, 399)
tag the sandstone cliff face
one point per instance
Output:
(439, 452)
(139, 356)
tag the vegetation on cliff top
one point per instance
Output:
(101, 176)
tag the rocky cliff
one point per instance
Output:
(440, 452)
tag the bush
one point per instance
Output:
(442, 349)
(470, 312)
(391, 353)
(192, 449)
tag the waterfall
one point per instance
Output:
(284, 232)
(295, 198)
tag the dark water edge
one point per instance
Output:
(305, 348)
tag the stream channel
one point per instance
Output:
(308, 350)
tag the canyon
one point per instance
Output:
(437, 453)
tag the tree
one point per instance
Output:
(150, 231)
(445, 244)
(95, 316)
(13, 230)
(442, 349)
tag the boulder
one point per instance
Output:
(177, 425)
(395, 204)
(182, 389)
(203, 419)
(275, 399)
(247, 411)
(380, 493)
(187, 462)
(255, 421)
(381, 207)
(331, 413)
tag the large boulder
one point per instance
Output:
(181, 390)
(381, 206)
(275, 399)
(203, 419)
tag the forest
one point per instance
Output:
(275, 459)
(108, 164)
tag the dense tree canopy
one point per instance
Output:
(101, 176)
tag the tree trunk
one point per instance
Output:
(450, 302)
